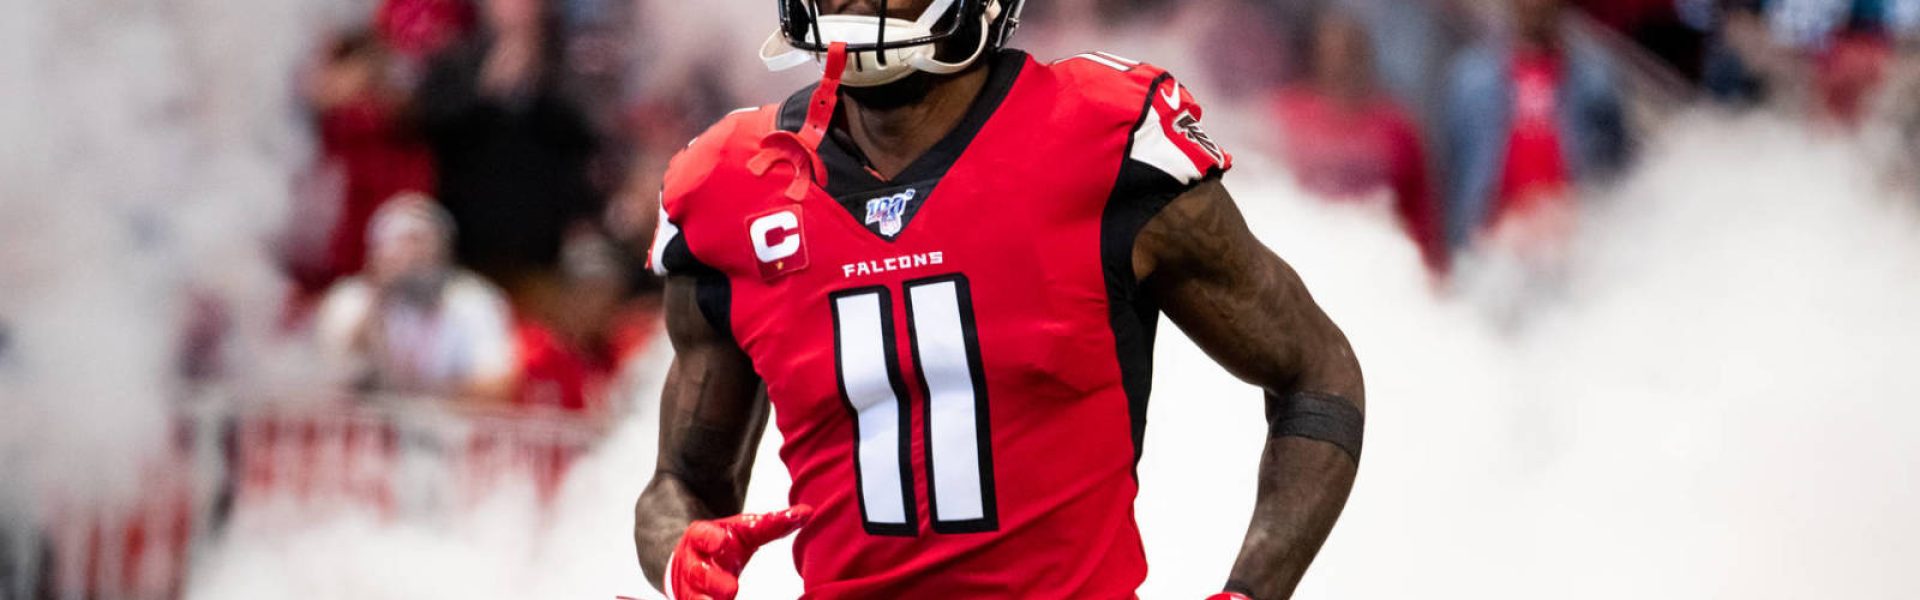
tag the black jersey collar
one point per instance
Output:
(853, 186)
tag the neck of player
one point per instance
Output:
(894, 137)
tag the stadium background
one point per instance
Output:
(1707, 394)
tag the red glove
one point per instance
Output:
(1229, 596)
(707, 563)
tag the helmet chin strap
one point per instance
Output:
(798, 149)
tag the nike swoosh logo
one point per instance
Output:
(1172, 97)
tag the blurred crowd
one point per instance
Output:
(477, 224)
(1483, 124)
(464, 235)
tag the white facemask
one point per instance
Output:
(864, 69)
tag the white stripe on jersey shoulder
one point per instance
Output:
(663, 234)
(1106, 60)
(1154, 146)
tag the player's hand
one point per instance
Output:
(706, 564)
(1229, 596)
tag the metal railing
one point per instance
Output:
(265, 462)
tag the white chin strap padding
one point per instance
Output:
(780, 56)
(864, 68)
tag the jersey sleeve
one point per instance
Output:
(670, 254)
(1170, 151)
(686, 181)
(700, 207)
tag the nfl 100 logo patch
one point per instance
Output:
(888, 213)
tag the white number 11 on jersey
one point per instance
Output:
(946, 360)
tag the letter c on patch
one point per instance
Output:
(775, 236)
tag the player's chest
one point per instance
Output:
(994, 265)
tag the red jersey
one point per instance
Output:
(958, 358)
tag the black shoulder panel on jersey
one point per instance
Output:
(793, 111)
(712, 292)
(676, 257)
(1140, 192)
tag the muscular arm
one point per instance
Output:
(1249, 311)
(711, 418)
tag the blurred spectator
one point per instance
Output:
(1278, 28)
(1738, 35)
(570, 357)
(513, 150)
(1346, 139)
(413, 323)
(372, 153)
(1849, 72)
(1412, 41)
(1835, 53)
(1811, 25)
(1527, 118)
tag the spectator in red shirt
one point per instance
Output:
(1528, 118)
(1535, 176)
(366, 143)
(1849, 72)
(571, 358)
(1347, 140)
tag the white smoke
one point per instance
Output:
(149, 146)
(507, 546)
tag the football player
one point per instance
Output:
(942, 267)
